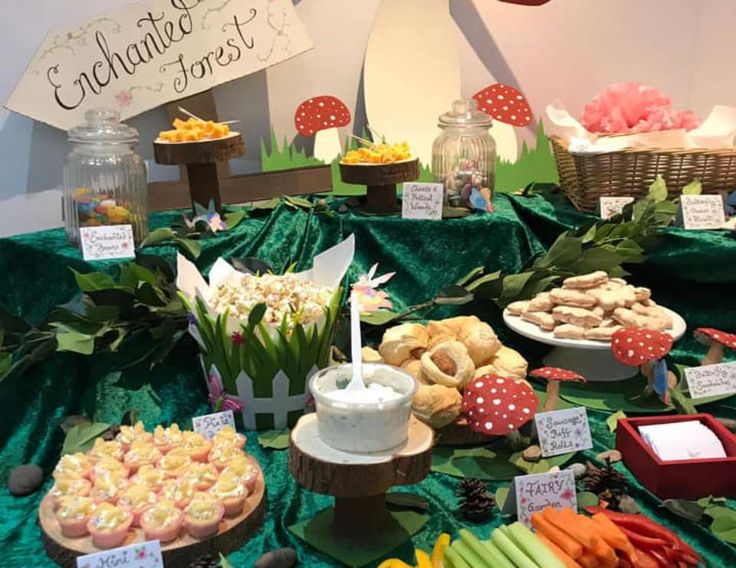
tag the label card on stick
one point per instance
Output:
(711, 380)
(563, 431)
(209, 424)
(422, 201)
(107, 242)
(613, 205)
(702, 211)
(138, 555)
(530, 494)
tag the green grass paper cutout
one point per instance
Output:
(274, 439)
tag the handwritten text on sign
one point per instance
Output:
(139, 555)
(612, 205)
(107, 242)
(711, 380)
(209, 424)
(563, 431)
(422, 201)
(535, 492)
(150, 53)
(702, 211)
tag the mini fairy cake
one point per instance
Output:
(109, 467)
(231, 493)
(136, 498)
(69, 485)
(111, 449)
(202, 475)
(244, 470)
(179, 490)
(196, 446)
(73, 464)
(228, 436)
(175, 463)
(150, 476)
(167, 438)
(135, 433)
(162, 521)
(73, 514)
(108, 488)
(109, 525)
(141, 453)
(223, 454)
(203, 515)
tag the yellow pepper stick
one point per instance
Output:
(423, 560)
(438, 552)
(394, 563)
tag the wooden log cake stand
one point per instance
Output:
(232, 533)
(357, 481)
(381, 180)
(200, 159)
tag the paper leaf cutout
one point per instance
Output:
(274, 439)
(693, 188)
(658, 189)
(612, 421)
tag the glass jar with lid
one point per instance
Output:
(464, 156)
(104, 178)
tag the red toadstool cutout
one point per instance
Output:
(321, 117)
(716, 340)
(554, 376)
(505, 104)
(497, 406)
(641, 348)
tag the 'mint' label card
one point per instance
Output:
(563, 431)
(422, 201)
(711, 380)
(209, 424)
(138, 555)
(702, 211)
(107, 242)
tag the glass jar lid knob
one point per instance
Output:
(464, 112)
(103, 125)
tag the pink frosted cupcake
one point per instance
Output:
(174, 463)
(245, 470)
(73, 514)
(109, 525)
(162, 521)
(202, 475)
(69, 486)
(150, 476)
(229, 437)
(137, 498)
(166, 439)
(180, 491)
(231, 493)
(195, 445)
(135, 433)
(141, 453)
(78, 465)
(203, 515)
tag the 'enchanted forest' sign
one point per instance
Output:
(154, 52)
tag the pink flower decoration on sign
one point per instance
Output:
(567, 495)
(219, 399)
(124, 98)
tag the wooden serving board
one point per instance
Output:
(199, 151)
(178, 553)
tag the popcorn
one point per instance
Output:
(287, 297)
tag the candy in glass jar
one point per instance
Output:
(104, 178)
(464, 156)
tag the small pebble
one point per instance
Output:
(578, 470)
(25, 479)
(627, 505)
(613, 455)
(281, 558)
(532, 454)
(342, 208)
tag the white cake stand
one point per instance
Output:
(592, 359)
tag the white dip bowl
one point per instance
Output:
(360, 422)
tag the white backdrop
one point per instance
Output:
(566, 49)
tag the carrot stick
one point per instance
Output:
(613, 535)
(587, 560)
(602, 551)
(569, 545)
(566, 520)
(558, 552)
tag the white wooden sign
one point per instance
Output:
(702, 211)
(150, 53)
(530, 494)
(422, 200)
(107, 242)
(563, 431)
(711, 380)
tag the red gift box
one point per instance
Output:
(678, 479)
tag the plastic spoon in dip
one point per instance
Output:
(356, 382)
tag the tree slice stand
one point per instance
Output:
(200, 159)
(358, 482)
(381, 180)
(180, 552)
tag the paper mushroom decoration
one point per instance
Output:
(646, 349)
(554, 376)
(508, 108)
(716, 340)
(321, 117)
(497, 406)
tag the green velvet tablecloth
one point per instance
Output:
(693, 273)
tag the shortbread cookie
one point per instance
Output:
(629, 318)
(576, 316)
(517, 308)
(611, 299)
(542, 319)
(571, 297)
(586, 281)
(601, 333)
(609, 322)
(597, 310)
(568, 331)
(616, 283)
(542, 302)
(642, 293)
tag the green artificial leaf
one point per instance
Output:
(658, 189)
(565, 250)
(502, 493)
(603, 257)
(81, 438)
(693, 188)
(268, 204)
(191, 247)
(296, 201)
(69, 422)
(379, 317)
(256, 314)
(587, 499)
(453, 296)
(150, 295)
(487, 286)
(158, 236)
(685, 508)
(612, 421)
(630, 251)
(12, 323)
(403, 500)
(157, 265)
(75, 342)
(6, 364)
(710, 501)
(234, 218)
(224, 562)
(274, 439)
(93, 281)
(454, 212)
(724, 523)
(542, 466)
(513, 284)
(476, 272)
(536, 285)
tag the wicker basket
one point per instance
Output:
(586, 177)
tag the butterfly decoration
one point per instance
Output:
(209, 216)
(219, 399)
(660, 382)
(365, 290)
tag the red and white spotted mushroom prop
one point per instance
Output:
(497, 406)
(641, 348)
(716, 340)
(321, 117)
(508, 108)
(554, 376)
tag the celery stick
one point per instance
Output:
(474, 544)
(499, 560)
(469, 555)
(454, 558)
(533, 547)
(515, 554)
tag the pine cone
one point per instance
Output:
(206, 561)
(607, 483)
(475, 502)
